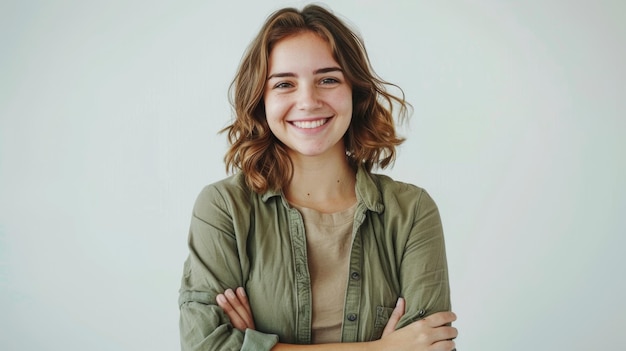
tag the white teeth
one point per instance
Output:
(309, 124)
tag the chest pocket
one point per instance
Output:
(382, 317)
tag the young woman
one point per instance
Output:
(304, 247)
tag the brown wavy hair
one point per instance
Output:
(370, 140)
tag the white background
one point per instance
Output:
(109, 118)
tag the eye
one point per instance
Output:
(329, 80)
(283, 85)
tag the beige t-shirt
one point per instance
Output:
(329, 237)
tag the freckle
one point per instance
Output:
(307, 194)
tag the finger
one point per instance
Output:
(439, 319)
(235, 302)
(242, 308)
(444, 333)
(397, 313)
(236, 320)
(223, 303)
(243, 297)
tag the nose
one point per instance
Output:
(308, 98)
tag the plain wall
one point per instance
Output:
(109, 113)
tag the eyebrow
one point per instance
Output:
(317, 71)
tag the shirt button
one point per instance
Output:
(355, 276)
(421, 313)
(352, 317)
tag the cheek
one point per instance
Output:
(274, 109)
(344, 102)
(274, 113)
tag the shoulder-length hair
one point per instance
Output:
(371, 139)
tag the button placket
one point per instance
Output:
(350, 328)
(302, 279)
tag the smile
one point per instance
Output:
(310, 124)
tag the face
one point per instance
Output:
(308, 102)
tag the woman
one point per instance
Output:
(323, 253)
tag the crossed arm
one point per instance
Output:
(429, 334)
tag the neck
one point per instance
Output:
(323, 184)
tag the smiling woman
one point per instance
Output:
(358, 258)
(308, 102)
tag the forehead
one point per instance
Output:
(303, 51)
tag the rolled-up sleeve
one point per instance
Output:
(424, 269)
(216, 262)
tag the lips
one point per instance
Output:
(310, 124)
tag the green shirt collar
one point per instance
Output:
(367, 192)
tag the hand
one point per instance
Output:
(430, 333)
(236, 306)
(397, 313)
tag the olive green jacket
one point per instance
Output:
(257, 241)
